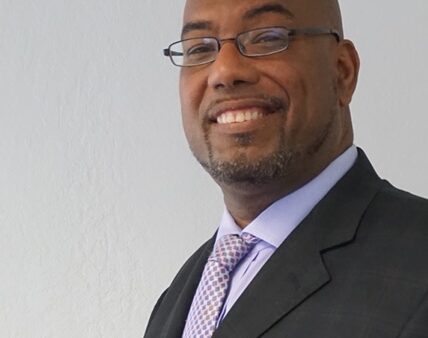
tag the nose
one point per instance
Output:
(231, 69)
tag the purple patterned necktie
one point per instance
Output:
(209, 297)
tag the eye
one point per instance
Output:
(267, 37)
(202, 48)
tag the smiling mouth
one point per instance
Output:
(241, 110)
(242, 115)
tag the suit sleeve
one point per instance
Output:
(155, 309)
(417, 325)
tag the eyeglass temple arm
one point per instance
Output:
(168, 52)
(316, 31)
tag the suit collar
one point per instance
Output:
(296, 270)
(278, 220)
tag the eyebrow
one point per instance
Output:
(268, 8)
(250, 14)
(195, 25)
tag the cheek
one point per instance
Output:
(195, 135)
(190, 98)
(312, 96)
(191, 95)
(297, 94)
(192, 87)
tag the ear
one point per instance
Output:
(348, 66)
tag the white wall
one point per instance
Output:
(100, 200)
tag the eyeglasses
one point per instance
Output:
(254, 43)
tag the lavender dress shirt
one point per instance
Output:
(275, 223)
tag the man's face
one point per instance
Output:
(260, 119)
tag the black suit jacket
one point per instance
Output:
(357, 266)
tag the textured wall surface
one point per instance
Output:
(100, 200)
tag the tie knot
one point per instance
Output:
(230, 249)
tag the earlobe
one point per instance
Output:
(348, 64)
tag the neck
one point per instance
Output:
(244, 206)
(246, 201)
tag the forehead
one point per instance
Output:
(207, 8)
(222, 12)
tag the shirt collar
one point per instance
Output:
(277, 221)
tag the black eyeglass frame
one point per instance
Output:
(311, 31)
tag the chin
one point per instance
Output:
(246, 169)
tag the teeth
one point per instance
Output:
(239, 116)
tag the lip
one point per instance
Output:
(250, 126)
(264, 106)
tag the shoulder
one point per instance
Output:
(171, 309)
(399, 209)
(197, 259)
(192, 269)
(394, 229)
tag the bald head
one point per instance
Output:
(323, 13)
(329, 12)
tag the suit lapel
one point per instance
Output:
(296, 270)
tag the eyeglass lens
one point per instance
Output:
(257, 42)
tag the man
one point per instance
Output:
(322, 247)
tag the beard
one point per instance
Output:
(243, 170)
(274, 166)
